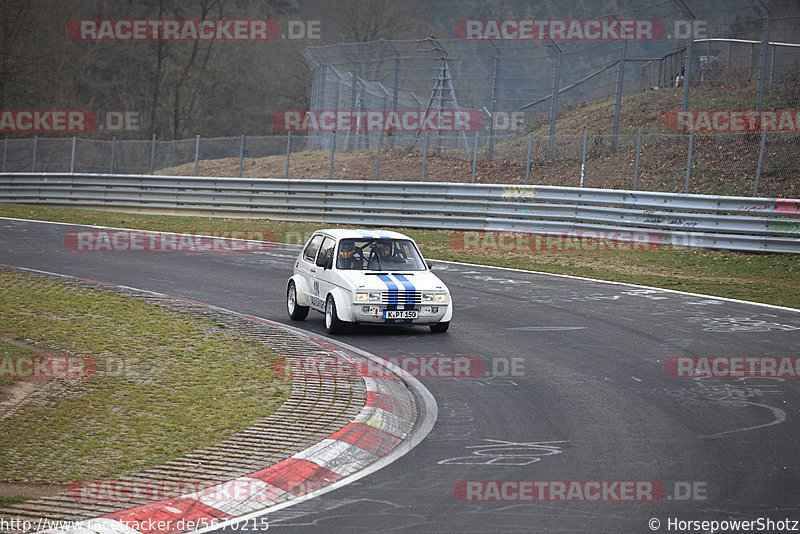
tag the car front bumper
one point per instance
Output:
(375, 314)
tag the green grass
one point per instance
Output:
(166, 383)
(9, 355)
(769, 278)
(13, 499)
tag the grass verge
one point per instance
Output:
(768, 278)
(156, 384)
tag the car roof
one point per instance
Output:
(364, 233)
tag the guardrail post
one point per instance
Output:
(35, 147)
(72, 157)
(378, 160)
(333, 150)
(583, 159)
(113, 149)
(689, 160)
(528, 165)
(153, 154)
(196, 152)
(760, 159)
(288, 151)
(5, 153)
(241, 155)
(638, 152)
(475, 157)
(425, 156)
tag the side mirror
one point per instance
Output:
(428, 264)
(322, 261)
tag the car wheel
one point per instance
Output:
(332, 323)
(440, 327)
(296, 312)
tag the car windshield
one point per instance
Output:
(368, 254)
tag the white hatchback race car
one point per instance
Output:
(367, 277)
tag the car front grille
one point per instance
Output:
(400, 298)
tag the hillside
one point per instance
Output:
(723, 164)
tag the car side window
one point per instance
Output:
(311, 249)
(326, 250)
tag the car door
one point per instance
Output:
(323, 282)
(306, 267)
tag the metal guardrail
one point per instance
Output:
(736, 223)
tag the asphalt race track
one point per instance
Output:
(573, 388)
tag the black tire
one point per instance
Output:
(296, 312)
(440, 327)
(332, 323)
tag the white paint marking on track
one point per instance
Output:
(546, 328)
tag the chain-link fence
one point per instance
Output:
(739, 164)
(745, 50)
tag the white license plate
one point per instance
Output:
(400, 314)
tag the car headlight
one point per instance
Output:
(440, 297)
(427, 297)
(363, 296)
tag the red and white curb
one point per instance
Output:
(387, 417)
(396, 416)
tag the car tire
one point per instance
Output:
(440, 327)
(296, 312)
(332, 323)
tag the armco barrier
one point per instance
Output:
(736, 223)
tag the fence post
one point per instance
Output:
(760, 159)
(494, 101)
(113, 149)
(72, 157)
(333, 150)
(241, 154)
(196, 152)
(623, 53)
(153, 154)
(425, 156)
(554, 99)
(5, 153)
(528, 166)
(35, 147)
(378, 160)
(638, 152)
(583, 159)
(762, 68)
(687, 76)
(288, 151)
(475, 156)
(689, 160)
